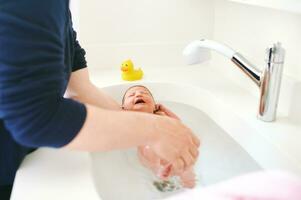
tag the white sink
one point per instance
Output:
(232, 144)
(118, 175)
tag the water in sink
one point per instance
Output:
(118, 175)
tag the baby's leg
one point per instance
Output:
(149, 159)
(188, 178)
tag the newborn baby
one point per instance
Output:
(139, 98)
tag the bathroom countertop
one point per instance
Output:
(43, 176)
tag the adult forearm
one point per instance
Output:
(94, 96)
(81, 88)
(108, 130)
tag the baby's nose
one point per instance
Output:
(138, 94)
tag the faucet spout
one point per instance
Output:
(268, 80)
(248, 68)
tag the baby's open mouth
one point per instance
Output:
(139, 101)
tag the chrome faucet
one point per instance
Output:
(268, 80)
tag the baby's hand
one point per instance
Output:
(164, 172)
(187, 177)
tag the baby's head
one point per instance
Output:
(138, 98)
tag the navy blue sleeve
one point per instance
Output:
(79, 61)
(32, 74)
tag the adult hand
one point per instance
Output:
(175, 143)
(166, 111)
(169, 170)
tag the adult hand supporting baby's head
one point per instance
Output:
(163, 109)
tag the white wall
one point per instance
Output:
(151, 32)
(288, 5)
(250, 30)
(75, 9)
(154, 32)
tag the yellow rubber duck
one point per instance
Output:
(129, 73)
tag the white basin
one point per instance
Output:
(118, 175)
(233, 142)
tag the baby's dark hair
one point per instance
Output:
(133, 87)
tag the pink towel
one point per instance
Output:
(264, 185)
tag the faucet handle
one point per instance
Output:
(270, 83)
(275, 54)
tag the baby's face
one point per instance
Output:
(139, 99)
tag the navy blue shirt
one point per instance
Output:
(38, 52)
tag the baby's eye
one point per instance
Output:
(146, 93)
(142, 92)
(132, 94)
